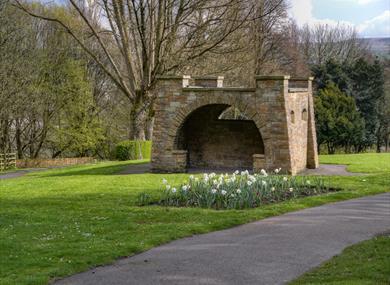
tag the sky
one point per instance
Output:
(371, 18)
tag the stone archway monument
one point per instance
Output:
(275, 129)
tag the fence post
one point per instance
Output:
(7, 160)
(1, 161)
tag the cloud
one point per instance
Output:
(365, 2)
(360, 2)
(378, 26)
(302, 12)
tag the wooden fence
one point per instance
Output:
(53, 162)
(7, 161)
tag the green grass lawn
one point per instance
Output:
(367, 262)
(365, 162)
(59, 222)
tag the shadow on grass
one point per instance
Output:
(98, 169)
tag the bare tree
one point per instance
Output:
(259, 48)
(15, 74)
(323, 42)
(268, 33)
(141, 39)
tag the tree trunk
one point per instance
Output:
(378, 146)
(378, 140)
(149, 128)
(149, 123)
(18, 139)
(4, 138)
(137, 123)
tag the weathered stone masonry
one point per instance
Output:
(279, 132)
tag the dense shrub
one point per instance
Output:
(239, 190)
(128, 150)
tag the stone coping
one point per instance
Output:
(302, 78)
(171, 77)
(179, 151)
(259, 156)
(211, 77)
(272, 77)
(208, 77)
(257, 77)
(207, 89)
(298, 90)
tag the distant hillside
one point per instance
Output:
(379, 46)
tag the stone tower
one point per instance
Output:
(278, 129)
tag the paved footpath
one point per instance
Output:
(271, 251)
(19, 173)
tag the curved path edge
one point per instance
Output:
(323, 169)
(20, 172)
(270, 251)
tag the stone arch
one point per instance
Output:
(267, 105)
(227, 100)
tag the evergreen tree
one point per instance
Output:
(339, 124)
(364, 81)
(332, 72)
(367, 87)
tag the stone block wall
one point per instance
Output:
(312, 150)
(297, 106)
(185, 136)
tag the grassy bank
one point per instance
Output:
(59, 222)
(367, 262)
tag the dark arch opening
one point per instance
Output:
(213, 142)
(292, 116)
(304, 115)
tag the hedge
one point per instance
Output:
(129, 150)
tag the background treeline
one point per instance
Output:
(352, 108)
(76, 79)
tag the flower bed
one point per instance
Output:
(239, 190)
